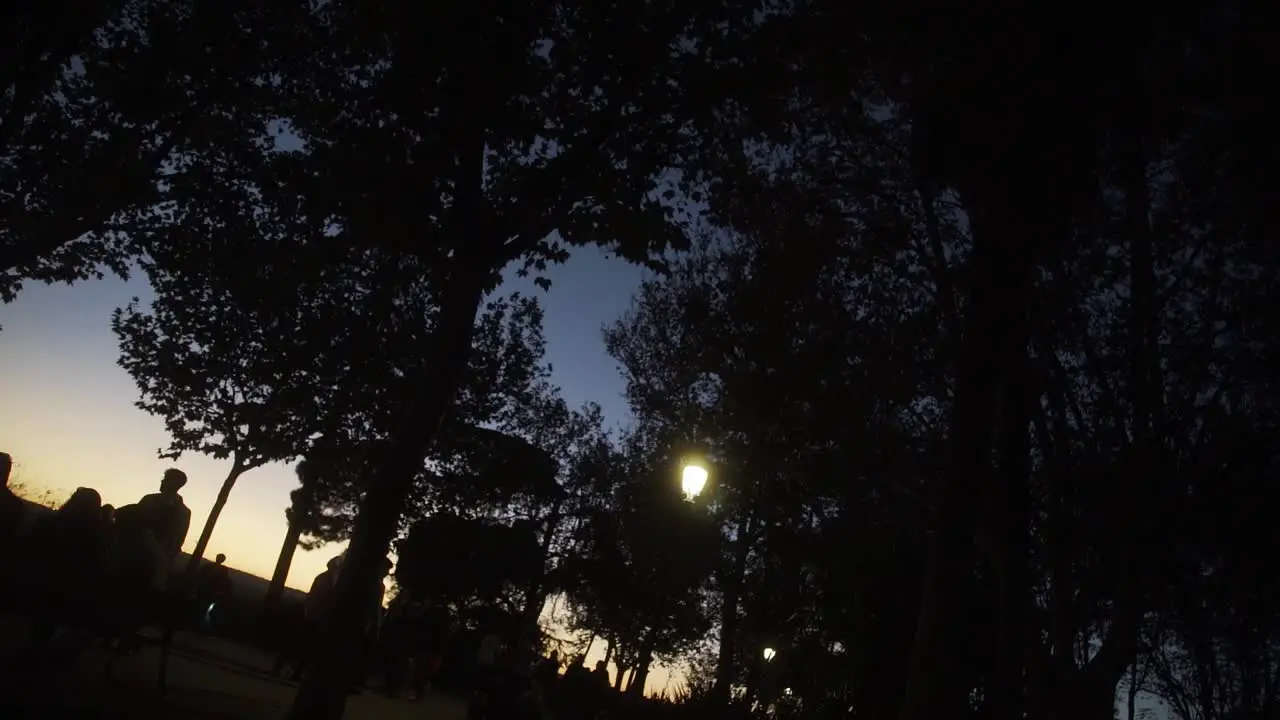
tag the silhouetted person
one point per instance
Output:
(364, 655)
(575, 702)
(70, 545)
(487, 683)
(395, 645)
(546, 675)
(108, 515)
(415, 634)
(549, 666)
(150, 532)
(600, 687)
(11, 508)
(172, 517)
(315, 610)
(213, 586)
(433, 635)
(320, 596)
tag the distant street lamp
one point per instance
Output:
(693, 479)
(769, 654)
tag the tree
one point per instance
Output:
(1078, 587)
(318, 513)
(460, 560)
(797, 388)
(644, 560)
(481, 470)
(107, 109)
(1216, 653)
(1005, 171)
(485, 476)
(328, 334)
(498, 158)
(208, 367)
(471, 467)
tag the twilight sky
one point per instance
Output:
(69, 418)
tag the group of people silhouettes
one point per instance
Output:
(417, 639)
(399, 631)
(515, 684)
(90, 566)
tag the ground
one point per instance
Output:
(209, 679)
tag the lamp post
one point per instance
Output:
(693, 479)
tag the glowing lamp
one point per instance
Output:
(693, 478)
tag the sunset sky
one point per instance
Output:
(68, 416)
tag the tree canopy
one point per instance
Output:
(110, 112)
(459, 560)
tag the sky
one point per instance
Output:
(69, 419)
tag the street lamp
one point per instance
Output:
(693, 478)
(769, 654)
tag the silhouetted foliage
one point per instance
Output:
(497, 158)
(480, 469)
(466, 560)
(108, 111)
(213, 371)
(642, 563)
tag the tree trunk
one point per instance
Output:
(631, 679)
(275, 590)
(219, 503)
(640, 674)
(1133, 692)
(1138, 496)
(1059, 529)
(537, 595)
(934, 689)
(1021, 165)
(323, 693)
(1011, 526)
(732, 596)
(619, 677)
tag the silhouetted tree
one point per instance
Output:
(209, 368)
(1011, 180)
(1215, 651)
(499, 158)
(463, 561)
(107, 110)
(642, 565)
(318, 512)
(308, 343)
(471, 468)
(796, 387)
